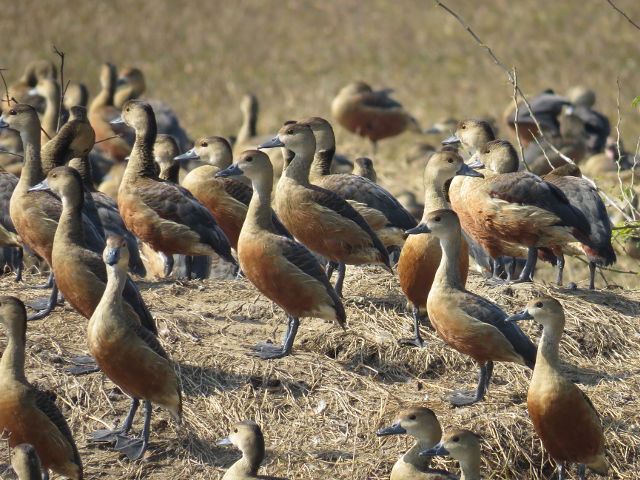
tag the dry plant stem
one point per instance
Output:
(107, 139)
(515, 124)
(613, 5)
(626, 197)
(62, 85)
(6, 88)
(528, 105)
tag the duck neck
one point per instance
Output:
(420, 462)
(12, 362)
(470, 469)
(448, 273)
(56, 151)
(32, 168)
(123, 94)
(83, 166)
(51, 112)
(434, 198)
(141, 162)
(248, 128)
(548, 357)
(116, 280)
(249, 463)
(298, 169)
(105, 97)
(259, 211)
(321, 164)
(70, 228)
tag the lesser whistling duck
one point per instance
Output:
(130, 356)
(467, 322)
(227, 198)
(35, 214)
(562, 415)
(102, 111)
(322, 220)
(422, 424)
(49, 89)
(247, 437)
(83, 280)
(371, 114)
(160, 213)
(131, 85)
(585, 198)
(281, 268)
(165, 149)
(33, 72)
(384, 214)
(27, 414)
(516, 208)
(363, 167)
(420, 256)
(596, 125)
(463, 446)
(26, 463)
(76, 94)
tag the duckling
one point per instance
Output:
(160, 213)
(49, 89)
(371, 114)
(420, 255)
(76, 94)
(422, 424)
(131, 85)
(29, 415)
(130, 355)
(463, 446)
(384, 214)
(467, 322)
(584, 196)
(363, 167)
(248, 438)
(281, 268)
(322, 220)
(21, 89)
(102, 111)
(26, 463)
(83, 280)
(563, 416)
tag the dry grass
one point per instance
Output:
(321, 407)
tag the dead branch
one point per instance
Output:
(63, 87)
(613, 5)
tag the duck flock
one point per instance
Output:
(117, 190)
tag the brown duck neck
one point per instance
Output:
(321, 164)
(123, 94)
(298, 169)
(414, 458)
(83, 166)
(56, 152)
(248, 128)
(171, 173)
(70, 228)
(259, 211)
(51, 111)
(448, 273)
(250, 462)
(548, 356)
(105, 97)
(116, 280)
(32, 168)
(434, 197)
(470, 469)
(141, 162)
(12, 362)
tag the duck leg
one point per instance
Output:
(561, 475)
(527, 271)
(560, 265)
(45, 475)
(105, 435)
(168, 264)
(48, 284)
(342, 268)
(20, 264)
(582, 472)
(417, 340)
(463, 399)
(41, 313)
(394, 255)
(134, 448)
(592, 275)
(269, 351)
(511, 270)
(331, 266)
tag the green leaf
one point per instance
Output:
(635, 102)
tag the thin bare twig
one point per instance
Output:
(6, 88)
(63, 87)
(117, 135)
(515, 124)
(613, 5)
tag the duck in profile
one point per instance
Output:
(371, 114)
(26, 463)
(27, 414)
(130, 355)
(463, 446)
(247, 437)
(563, 416)
(281, 268)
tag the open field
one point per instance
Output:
(320, 408)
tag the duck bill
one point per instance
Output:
(421, 228)
(117, 121)
(3, 123)
(231, 171)
(43, 186)
(274, 142)
(452, 140)
(437, 451)
(475, 163)
(112, 256)
(224, 442)
(523, 315)
(121, 81)
(433, 129)
(467, 170)
(395, 429)
(188, 155)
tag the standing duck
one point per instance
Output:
(563, 416)
(49, 89)
(463, 446)
(371, 114)
(26, 463)
(281, 268)
(384, 214)
(29, 415)
(465, 321)
(161, 213)
(421, 253)
(83, 280)
(130, 356)
(248, 438)
(322, 220)
(422, 424)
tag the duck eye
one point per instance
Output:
(538, 304)
(128, 109)
(464, 126)
(456, 439)
(235, 430)
(450, 160)
(290, 132)
(12, 112)
(412, 417)
(249, 159)
(204, 144)
(55, 175)
(437, 219)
